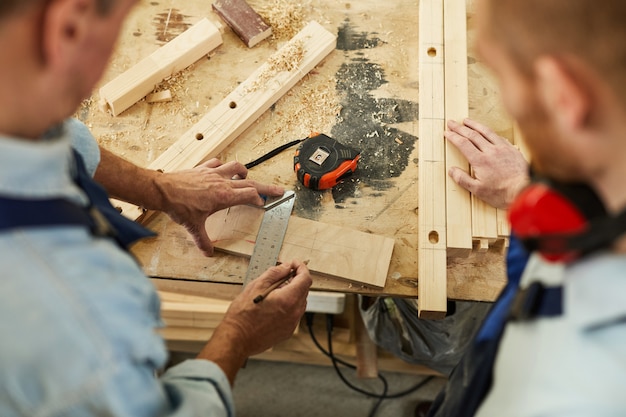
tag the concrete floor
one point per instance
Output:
(275, 389)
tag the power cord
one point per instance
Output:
(273, 153)
(338, 361)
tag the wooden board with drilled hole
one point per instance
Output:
(431, 272)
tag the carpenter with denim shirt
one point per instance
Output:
(78, 317)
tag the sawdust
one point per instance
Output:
(178, 84)
(287, 59)
(284, 16)
(311, 106)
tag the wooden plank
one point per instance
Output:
(243, 20)
(432, 284)
(484, 220)
(458, 200)
(333, 251)
(133, 84)
(218, 128)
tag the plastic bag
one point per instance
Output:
(393, 325)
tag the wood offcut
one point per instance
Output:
(243, 20)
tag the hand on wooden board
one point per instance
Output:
(250, 328)
(499, 170)
(191, 196)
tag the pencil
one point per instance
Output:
(272, 287)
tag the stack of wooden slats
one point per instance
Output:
(452, 223)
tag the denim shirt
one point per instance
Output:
(77, 314)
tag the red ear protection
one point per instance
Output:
(561, 221)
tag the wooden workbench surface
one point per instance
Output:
(364, 95)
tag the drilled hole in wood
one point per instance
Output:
(232, 105)
(432, 52)
(199, 136)
(433, 237)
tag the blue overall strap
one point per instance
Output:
(125, 230)
(537, 300)
(16, 213)
(101, 218)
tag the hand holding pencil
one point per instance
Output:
(277, 284)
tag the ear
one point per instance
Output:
(564, 96)
(65, 24)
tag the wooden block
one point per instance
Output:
(432, 285)
(243, 20)
(135, 83)
(218, 128)
(160, 97)
(503, 223)
(484, 220)
(333, 251)
(458, 199)
(518, 140)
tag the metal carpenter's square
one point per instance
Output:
(271, 234)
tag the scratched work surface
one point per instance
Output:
(364, 95)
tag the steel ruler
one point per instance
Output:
(271, 234)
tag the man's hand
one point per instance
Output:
(499, 169)
(249, 328)
(191, 196)
(188, 196)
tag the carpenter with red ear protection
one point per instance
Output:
(563, 221)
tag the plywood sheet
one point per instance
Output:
(331, 250)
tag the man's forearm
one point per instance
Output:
(128, 182)
(226, 350)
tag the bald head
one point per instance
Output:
(593, 31)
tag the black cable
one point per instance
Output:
(335, 360)
(273, 153)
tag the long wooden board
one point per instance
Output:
(235, 113)
(432, 285)
(138, 81)
(331, 250)
(458, 199)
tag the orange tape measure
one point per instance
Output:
(321, 162)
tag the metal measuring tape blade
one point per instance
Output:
(271, 234)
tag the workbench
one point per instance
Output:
(364, 94)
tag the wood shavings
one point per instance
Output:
(313, 106)
(174, 82)
(284, 16)
(288, 59)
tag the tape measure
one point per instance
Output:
(321, 162)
